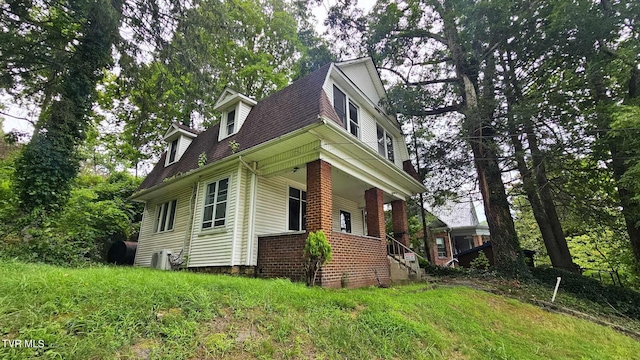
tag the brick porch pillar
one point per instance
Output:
(400, 222)
(319, 197)
(375, 213)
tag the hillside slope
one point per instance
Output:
(133, 313)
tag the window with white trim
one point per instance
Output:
(340, 104)
(215, 204)
(173, 150)
(297, 209)
(166, 215)
(385, 143)
(231, 122)
(354, 125)
(442, 250)
(345, 221)
(347, 111)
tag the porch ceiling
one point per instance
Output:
(344, 185)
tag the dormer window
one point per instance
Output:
(235, 108)
(178, 138)
(173, 150)
(231, 122)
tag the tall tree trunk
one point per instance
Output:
(508, 258)
(504, 239)
(546, 199)
(529, 185)
(425, 230)
(536, 184)
(618, 165)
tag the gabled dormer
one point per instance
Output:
(235, 108)
(178, 138)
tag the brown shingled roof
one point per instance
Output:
(296, 106)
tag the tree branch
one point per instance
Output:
(420, 33)
(436, 81)
(18, 118)
(437, 111)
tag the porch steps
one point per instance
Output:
(402, 270)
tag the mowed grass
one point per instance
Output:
(131, 313)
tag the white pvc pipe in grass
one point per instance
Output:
(555, 292)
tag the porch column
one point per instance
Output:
(400, 222)
(319, 197)
(375, 213)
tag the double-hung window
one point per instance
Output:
(347, 111)
(166, 216)
(442, 250)
(385, 143)
(297, 209)
(231, 122)
(340, 104)
(354, 126)
(345, 221)
(215, 204)
(173, 149)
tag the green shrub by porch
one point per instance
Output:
(317, 252)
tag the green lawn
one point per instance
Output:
(132, 313)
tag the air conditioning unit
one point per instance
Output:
(160, 260)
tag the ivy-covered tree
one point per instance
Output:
(69, 45)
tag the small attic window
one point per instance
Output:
(231, 122)
(173, 149)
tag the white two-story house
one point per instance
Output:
(241, 196)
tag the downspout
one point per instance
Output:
(236, 217)
(194, 191)
(192, 212)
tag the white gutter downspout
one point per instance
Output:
(193, 217)
(253, 187)
(236, 220)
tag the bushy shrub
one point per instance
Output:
(96, 215)
(317, 252)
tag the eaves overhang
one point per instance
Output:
(385, 165)
(142, 195)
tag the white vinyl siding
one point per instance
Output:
(183, 145)
(213, 247)
(149, 241)
(361, 78)
(368, 129)
(272, 205)
(240, 218)
(350, 207)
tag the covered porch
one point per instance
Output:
(350, 211)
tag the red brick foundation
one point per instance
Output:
(281, 256)
(356, 259)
